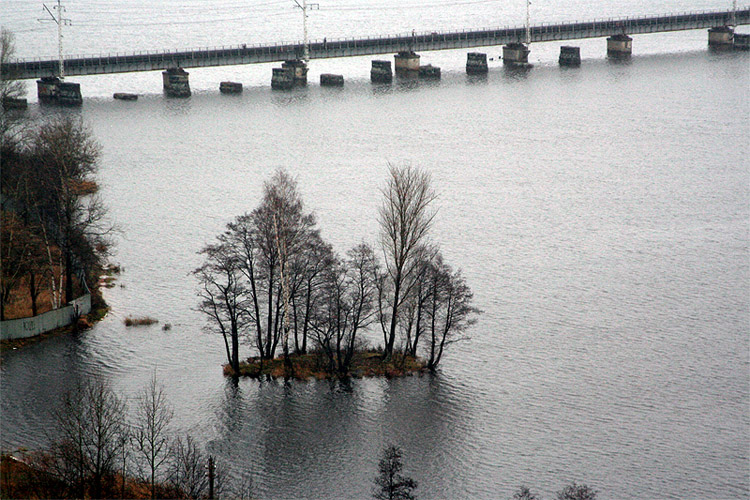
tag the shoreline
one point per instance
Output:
(315, 365)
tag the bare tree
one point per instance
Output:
(346, 306)
(187, 471)
(66, 155)
(153, 415)
(575, 491)
(405, 219)
(449, 309)
(224, 296)
(90, 426)
(283, 229)
(9, 88)
(390, 484)
(524, 493)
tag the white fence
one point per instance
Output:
(28, 327)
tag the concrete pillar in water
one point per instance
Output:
(515, 54)
(619, 46)
(282, 79)
(299, 71)
(329, 80)
(720, 37)
(46, 89)
(406, 61)
(476, 63)
(230, 88)
(742, 41)
(51, 89)
(570, 56)
(381, 72)
(429, 72)
(69, 94)
(176, 82)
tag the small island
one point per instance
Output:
(272, 281)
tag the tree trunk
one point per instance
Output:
(68, 276)
(32, 292)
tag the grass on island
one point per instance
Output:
(368, 363)
(142, 321)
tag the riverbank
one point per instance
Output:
(99, 310)
(29, 476)
(315, 365)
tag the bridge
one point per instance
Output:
(423, 41)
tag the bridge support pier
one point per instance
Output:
(330, 80)
(429, 72)
(406, 61)
(721, 37)
(52, 90)
(515, 54)
(381, 72)
(570, 56)
(282, 78)
(176, 82)
(476, 63)
(741, 41)
(619, 46)
(299, 71)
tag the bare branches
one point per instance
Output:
(405, 219)
(151, 438)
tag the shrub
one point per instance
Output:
(142, 321)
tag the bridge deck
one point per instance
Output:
(149, 61)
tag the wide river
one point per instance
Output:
(601, 215)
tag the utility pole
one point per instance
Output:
(306, 43)
(734, 13)
(211, 471)
(528, 24)
(60, 22)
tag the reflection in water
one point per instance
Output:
(331, 433)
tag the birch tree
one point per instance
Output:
(405, 218)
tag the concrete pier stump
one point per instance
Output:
(476, 63)
(176, 82)
(429, 72)
(381, 72)
(282, 79)
(406, 61)
(515, 54)
(52, 90)
(570, 56)
(721, 37)
(69, 94)
(329, 80)
(741, 41)
(46, 89)
(230, 88)
(619, 46)
(299, 71)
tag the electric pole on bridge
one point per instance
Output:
(528, 23)
(60, 22)
(303, 7)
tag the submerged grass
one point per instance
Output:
(142, 321)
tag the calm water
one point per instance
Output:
(601, 215)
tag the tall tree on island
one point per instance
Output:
(405, 219)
